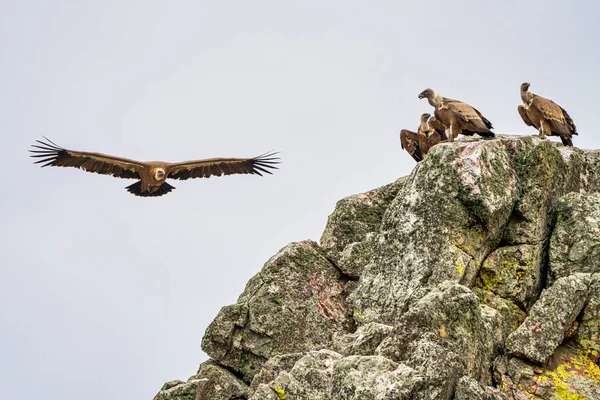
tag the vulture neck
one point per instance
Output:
(424, 127)
(526, 97)
(436, 101)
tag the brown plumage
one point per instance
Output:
(151, 175)
(409, 141)
(457, 117)
(418, 144)
(546, 116)
(438, 127)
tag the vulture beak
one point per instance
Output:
(421, 95)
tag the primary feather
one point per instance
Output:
(152, 174)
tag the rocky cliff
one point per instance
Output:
(476, 277)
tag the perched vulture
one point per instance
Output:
(546, 116)
(418, 144)
(151, 175)
(457, 117)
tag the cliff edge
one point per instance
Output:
(477, 277)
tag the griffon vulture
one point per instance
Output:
(457, 117)
(151, 175)
(546, 116)
(418, 144)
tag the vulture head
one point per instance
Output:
(525, 86)
(425, 117)
(433, 99)
(159, 174)
(427, 94)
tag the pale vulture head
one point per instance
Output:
(159, 174)
(427, 94)
(525, 86)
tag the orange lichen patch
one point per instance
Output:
(443, 332)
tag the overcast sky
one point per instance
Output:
(105, 295)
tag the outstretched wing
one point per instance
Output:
(409, 141)
(223, 166)
(52, 154)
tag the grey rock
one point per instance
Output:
(511, 315)
(550, 317)
(514, 273)
(309, 379)
(216, 383)
(469, 389)
(373, 378)
(326, 375)
(347, 238)
(273, 367)
(178, 390)
(363, 342)
(545, 172)
(295, 304)
(587, 335)
(575, 244)
(568, 374)
(439, 367)
(457, 206)
(446, 218)
(212, 382)
(446, 327)
(264, 392)
(419, 285)
(356, 255)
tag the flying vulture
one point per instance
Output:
(151, 175)
(546, 116)
(418, 144)
(457, 117)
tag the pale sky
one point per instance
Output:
(105, 295)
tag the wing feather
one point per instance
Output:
(573, 128)
(523, 113)
(409, 141)
(51, 154)
(555, 115)
(223, 166)
(436, 124)
(486, 121)
(475, 122)
(467, 113)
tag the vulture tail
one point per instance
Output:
(567, 141)
(136, 189)
(487, 134)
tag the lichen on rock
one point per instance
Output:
(476, 277)
(575, 244)
(296, 303)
